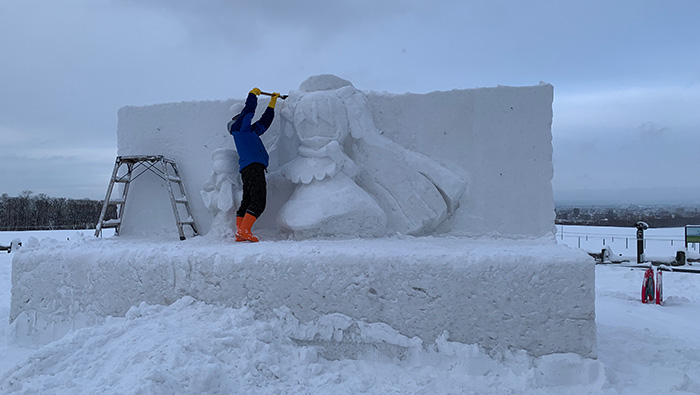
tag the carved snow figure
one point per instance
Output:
(326, 201)
(221, 193)
(377, 187)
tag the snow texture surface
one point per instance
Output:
(464, 162)
(495, 293)
(193, 347)
(425, 217)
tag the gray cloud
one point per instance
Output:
(652, 129)
(625, 73)
(231, 20)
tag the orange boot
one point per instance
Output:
(243, 232)
(238, 226)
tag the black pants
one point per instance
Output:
(254, 190)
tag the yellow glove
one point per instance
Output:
(273, 100)
(255, 91)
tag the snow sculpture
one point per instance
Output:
(326, 202)
(338, 146)
(222, 192)
(364, 185)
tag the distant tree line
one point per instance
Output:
(656, 217)
(41, 212)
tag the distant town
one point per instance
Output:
(657, 216)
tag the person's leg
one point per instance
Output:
(258, 191)
(246, 178)
(256, 186)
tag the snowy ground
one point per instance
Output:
(193, 348)
(660, 244)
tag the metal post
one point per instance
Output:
(641, 226)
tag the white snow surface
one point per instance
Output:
(417, 286)
(192, 347)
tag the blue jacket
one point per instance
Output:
(247, 136)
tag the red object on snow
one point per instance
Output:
(648, 286)
(659, 287)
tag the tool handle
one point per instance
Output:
(270, 94)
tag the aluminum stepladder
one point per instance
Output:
(136, 165)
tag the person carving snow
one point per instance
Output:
(253, 160)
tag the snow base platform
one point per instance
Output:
(500, 294)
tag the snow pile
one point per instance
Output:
(349, 162)
(191, 347)
(495, 293)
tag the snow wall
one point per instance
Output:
(497, 141)
(474, 167)
(532, 295)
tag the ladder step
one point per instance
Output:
(112, 223)
(182, 200)
(174, 179)
(117, 201)
(123, 180)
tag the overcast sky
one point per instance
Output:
(626, 76)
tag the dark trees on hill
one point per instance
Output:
(41, 212)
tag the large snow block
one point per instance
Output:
(498, 140)
(515, 294)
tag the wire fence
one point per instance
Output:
(662, 241)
